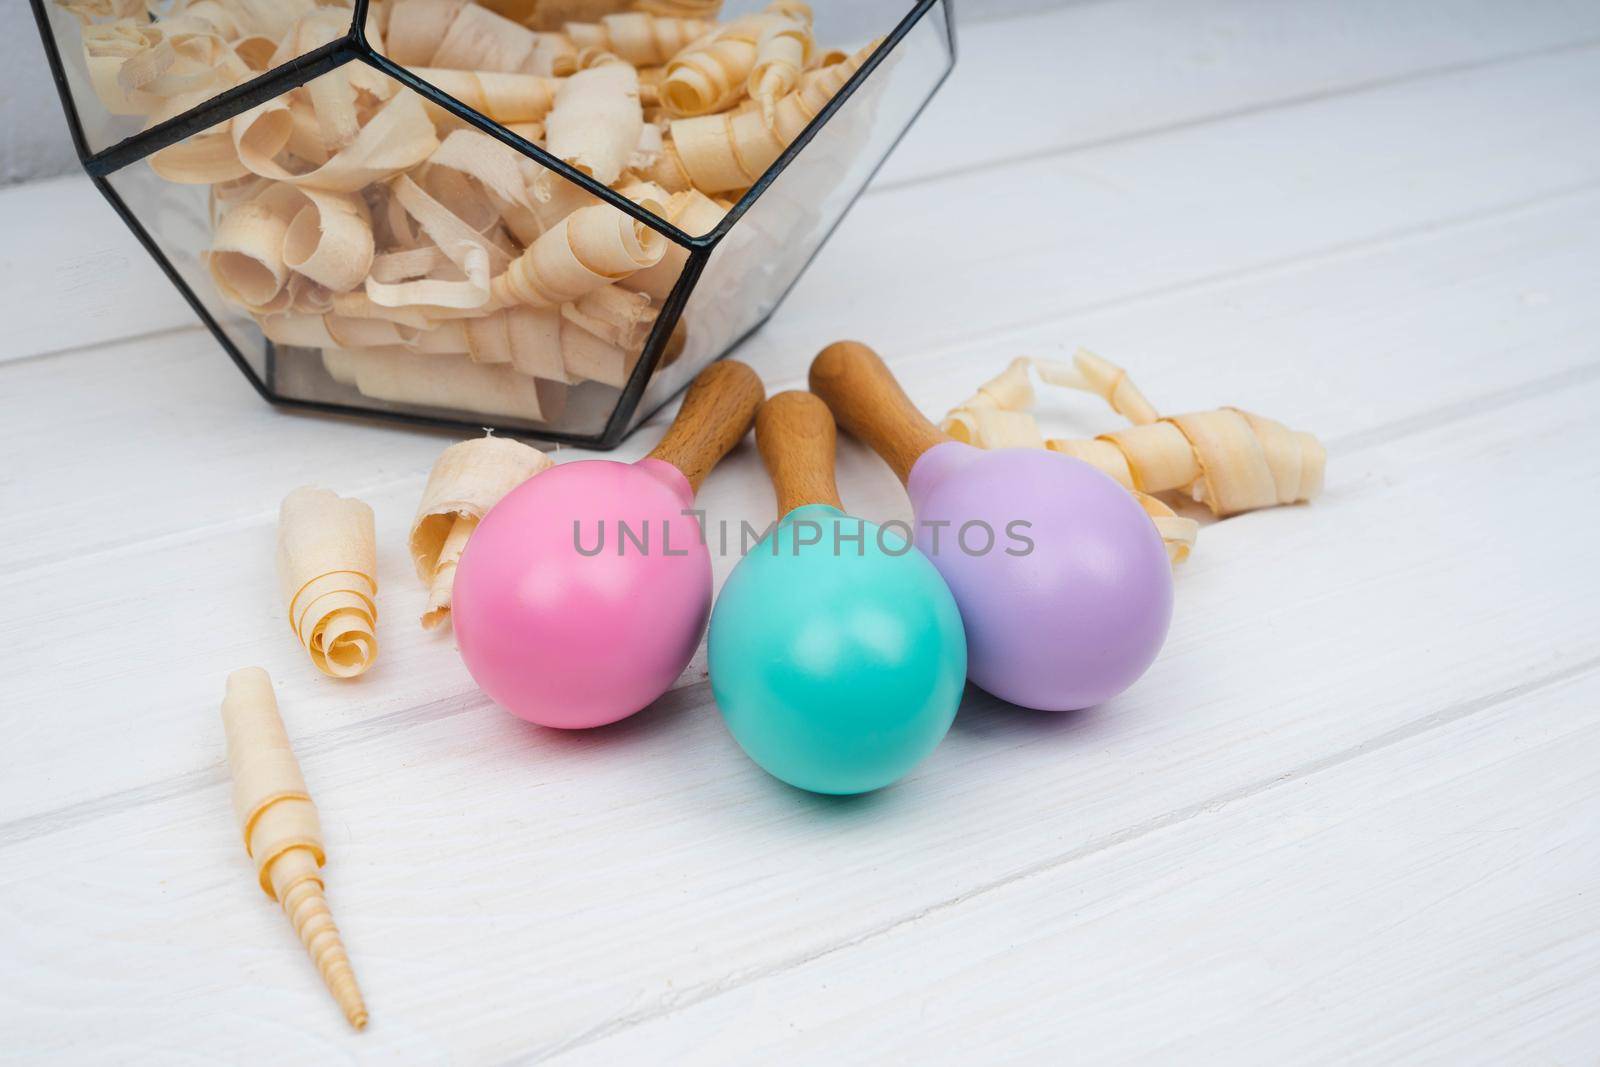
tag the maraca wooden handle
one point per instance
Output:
(715, 415)
(795, 434)
(863, 395)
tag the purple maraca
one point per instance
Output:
(1062, 580)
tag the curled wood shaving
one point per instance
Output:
(327, 570)
(506, 98)
(465, 36)
(282, 833)
(590, 248)
(597, 121)
(468, 479)
(553, 14)
(721, 153)
(696, 9)
(639, 38)
(712, 73)
(432, 264)
(403, 376)
(782, 51)
(1229, 460)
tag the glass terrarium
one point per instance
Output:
(543, 216)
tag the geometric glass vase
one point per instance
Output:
(540, 216)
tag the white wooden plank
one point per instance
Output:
(1010, 274)
(958, 259)
(1376, 340)
(73, 275)
(1023, 87)
(1428, 899)
(1072, 75)
(628, 874)
(624, 872)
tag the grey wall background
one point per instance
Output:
(33, 135)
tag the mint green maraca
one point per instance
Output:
(837, 652)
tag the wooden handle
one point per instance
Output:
(864, 396)
(795, 434)
(716, 414)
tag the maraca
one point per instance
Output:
(837, 655)
(1062, 580)
(583, 594)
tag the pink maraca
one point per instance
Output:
(583, 594)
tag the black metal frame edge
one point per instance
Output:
(846, 91)
(132, 221)
(433, 94)
(660, 336)
(615, 429)
(225, 105)
(771, 175)
(355, 47)
(58, 74)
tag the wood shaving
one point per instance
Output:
(431, 264)
(1228, 459)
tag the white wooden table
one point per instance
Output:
(1350, 814)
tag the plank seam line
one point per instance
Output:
(1491, 215)
(216, 773)
(1359, 88)
(1129, 137)
(89, 346)
(1422, 231)
(1433, 229)
(56, 820)
(267, 518)
(311, 746)
(1406, 732)
(1483, 404)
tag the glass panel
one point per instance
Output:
(760, 257)
(131, 64)
(364, 248)
(400, 261)
(690, 104)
